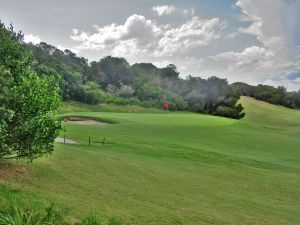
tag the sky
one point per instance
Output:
(253, 41)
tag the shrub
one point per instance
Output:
(230, 112)
(28, 102)
(114, 221)
(91, 219)
(91, 93)
(22, 217)
(154, 96)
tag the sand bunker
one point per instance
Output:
(83, 121)
(67, 141)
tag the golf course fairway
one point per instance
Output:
(174, 168)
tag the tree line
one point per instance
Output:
(114, 80)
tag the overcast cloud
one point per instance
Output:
(241, 40)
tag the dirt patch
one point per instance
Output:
(83, 121)
(10, 170)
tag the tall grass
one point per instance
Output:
(50, 216)
(18, 209)
(22, 217)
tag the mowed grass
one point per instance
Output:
(176, 168)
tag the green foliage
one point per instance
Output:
(27, 102)
(195, 100)
(230, 108)
(91, 93)
(18, 209)
(114, 221)
(116, 71)
(156, 96)
(20, 217)
(49, 216)
(230, 112)
(142, 84)
(91, 219)
(170, 71)
(63, 65)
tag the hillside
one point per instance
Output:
(265, 113)
(175, 168)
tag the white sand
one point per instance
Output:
(68, 141)
(83, 121)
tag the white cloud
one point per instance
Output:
(72, 49)
(164, 10)
(136, 28)
(35, 39)
(266, 23)
(274, 58)
(139, 36)
(291, 85)
(161, 10)
(194, 33)
(232, 35)
(252, 57)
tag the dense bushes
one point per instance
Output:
(195, 101)
(91, 93)
(156, 96)
(229, 108)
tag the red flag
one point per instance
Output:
(166, 106)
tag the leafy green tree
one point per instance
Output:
(230, 112)
(116, 71)
(216, 91)
(95, 73)
(195, 101)
(170, 71)
(157, 96)
(241, 89)
(230, 108)
(92, 94)
(27, 102)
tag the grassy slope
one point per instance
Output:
(178, 168)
